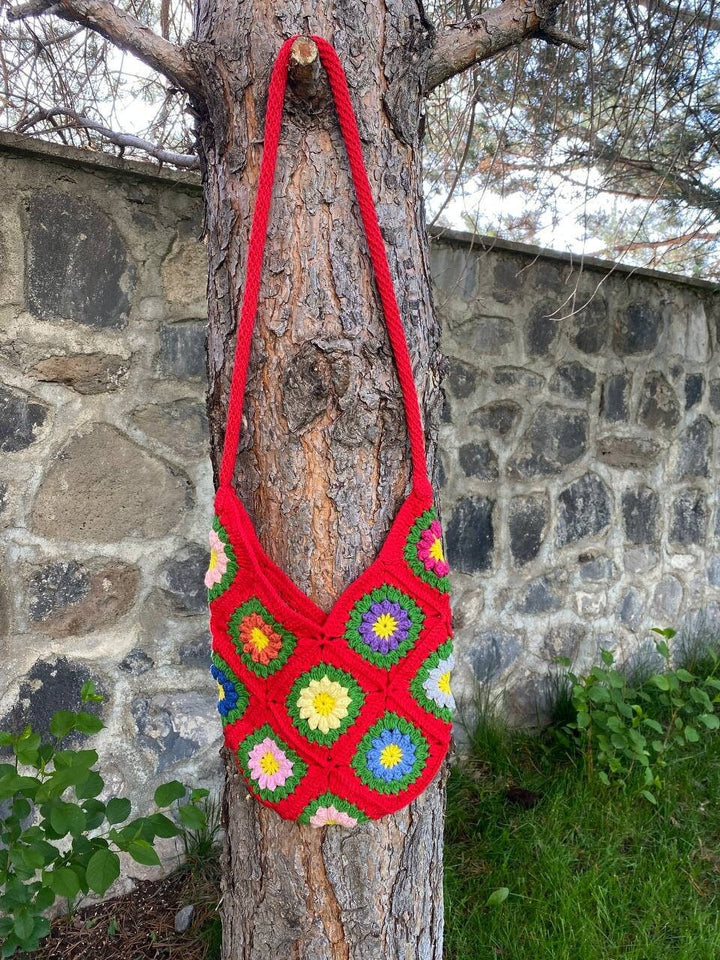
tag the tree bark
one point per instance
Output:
(324, 460)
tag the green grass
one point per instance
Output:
(593, 874)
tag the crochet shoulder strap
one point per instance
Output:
(258, 233)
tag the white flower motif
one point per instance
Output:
(437, 684)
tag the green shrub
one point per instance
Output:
(57, 839)
(625, 729)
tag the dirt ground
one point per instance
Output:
(138, 926)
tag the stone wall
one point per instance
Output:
(580, 463)
(577, 452)
(104, 470)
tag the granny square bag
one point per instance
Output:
(344, 716)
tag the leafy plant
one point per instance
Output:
(57, 839)
(626, 729)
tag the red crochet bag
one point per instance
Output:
(344, 716)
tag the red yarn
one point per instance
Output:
(340, 716)
(376, 246)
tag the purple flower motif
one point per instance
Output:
(384, 626)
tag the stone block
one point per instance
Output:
(70, 598)
(694, 450)
(659, 407)
(21, 418)
(446, 415)
(564, 640)
(526, 380)
(507, 278)
(715, 395)
(182, 351)
(78, 265)
(86, 373)
(462, 378)
(184, 273)
(527, 525)
(180, 425)
(591, 326)
(555, 438)
(490, 336)
(641, 515)
(574, 381)
(136, 662)
(694, 387)
(627, 453)
(498, 417)
(479, 460)
(667, 598)
(590, 605)
(539, 597)
(713, 571)
(640, 559)
(614, 398)
(195, 653)
(175, 726)
(49, 686)
(184, 575)
(471, 535)
(103, 487)
(595, 568)
(455, 276)
(631, 609)
(689, 518)
(637, 329)
(492, 652)
(689, 336)
(583, 510)
(543, 326)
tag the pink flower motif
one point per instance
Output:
(218, 561)
(268, 764)
(430, 550)
(331, 815)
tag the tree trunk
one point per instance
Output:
(324, 459)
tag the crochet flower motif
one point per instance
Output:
(383, 625)
(431, 684)
(259, 640)
(391, 755)
(331, 810)
(269, 764)
(232, 695)
(271, 768)
(262, 643)
(324, 702)
(223, 566)
(424, 551)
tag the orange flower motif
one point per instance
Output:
(258, 639)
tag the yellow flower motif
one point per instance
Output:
(269, 764)
(444, 683)
(324, 704)
(385, 625)
(259, 638)
(436, 550)
(221, 692)
(390, 756)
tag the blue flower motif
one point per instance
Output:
(227, 694)
(391, 755)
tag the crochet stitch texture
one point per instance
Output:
(345, 716)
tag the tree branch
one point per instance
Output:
(124, 31)
(460, 45)
(186, 160)
(687, 17)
